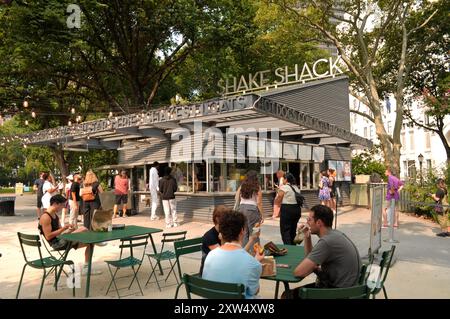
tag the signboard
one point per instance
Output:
(375, 219)
(339, 171)
(332, 165)
(318, 69)
(304, 152)
(318, 154)
(290, 151)
(347, 172)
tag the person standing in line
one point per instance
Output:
(332, 179)
(67, 196)
(249, 195)
(281, 181)
(441, 199)
(75, 201)
(37, 187)
(324, 189)
(290, 211)
(394, 186)
(49, 189)
(154, 188)
(121, 188)
(89, 206)
(167, 187)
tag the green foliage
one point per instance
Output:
(365, 164)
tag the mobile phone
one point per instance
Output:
(283, 266)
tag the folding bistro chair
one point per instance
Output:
(42, 263)
(356, 292)
(185, 247)
(212, 289)
(165, 255)
(385, 264)
(130, 261)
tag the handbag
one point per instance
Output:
(298, 197)
(87, 194)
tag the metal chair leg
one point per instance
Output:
(137, 280)
(385, 294)
(172, 269)
(20, 282)
(113, 281)
(178, 288)
(153, 273)
(42, 284)
(73, 279)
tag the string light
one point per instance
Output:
(33, 114)
(26, 122)
(25, 104)
(69, 123)
(110, 114)
(72, 110)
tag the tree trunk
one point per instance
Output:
(60, 161)
(446, 145)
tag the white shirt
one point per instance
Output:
(154, 179)
(47, 195)
(289, 195)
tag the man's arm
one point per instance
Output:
(47, 228)
(306, 267)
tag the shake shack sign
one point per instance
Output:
(321, 68)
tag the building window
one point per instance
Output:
(426, 119)
(412, 169)
(403, 140)
(427, 140)
(405, 168)
(411, 140)
(371, 132)
(365, 132)
(429, 165)
(389, 126)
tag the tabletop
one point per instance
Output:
(91, 237)
(293, 257)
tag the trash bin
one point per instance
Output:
(7, 206)
(19, 189)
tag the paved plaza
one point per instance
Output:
(421, 270)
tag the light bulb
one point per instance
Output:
(25, 103)
(26, 122)
(72, 110)
(70, 123)
(33, 114)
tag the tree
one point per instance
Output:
(358, 30)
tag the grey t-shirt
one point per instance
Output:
(338, 258)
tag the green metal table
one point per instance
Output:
(91, 238)
(293, 257)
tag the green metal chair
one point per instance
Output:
(363, 275)
(185, 247)
(130, 261)
(356, 292)
(164, 255)
(212, 289)
(385, 265)
(43, 263)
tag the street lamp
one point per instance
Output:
(420, 158)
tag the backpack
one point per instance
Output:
(298, 197)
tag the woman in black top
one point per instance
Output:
(442, 212)
(89, 206)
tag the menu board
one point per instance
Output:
(274, 149)
(347, 171)
(304, 152)
(339, 171)
(290, 151)
(318, 154)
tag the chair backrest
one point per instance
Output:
(385, 264)
(363, 274)
(185, 247)
(29, 240)
(356, 292)
(133, 242)
(212, 289)
(172, 237)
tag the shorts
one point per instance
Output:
(39, 202)
(121, 199)
(62, 244)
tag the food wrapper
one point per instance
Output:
(269, 267)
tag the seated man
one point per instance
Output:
(230, 263)
(211, 240)
(334, 259)
(50, 227)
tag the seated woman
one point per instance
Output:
(211, 239)
(230, 263)
(50, 227)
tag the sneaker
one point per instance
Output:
(102, 244)
(169, 226)
(443, 234)
(175, 225)
(94, 272)
(154, 218)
